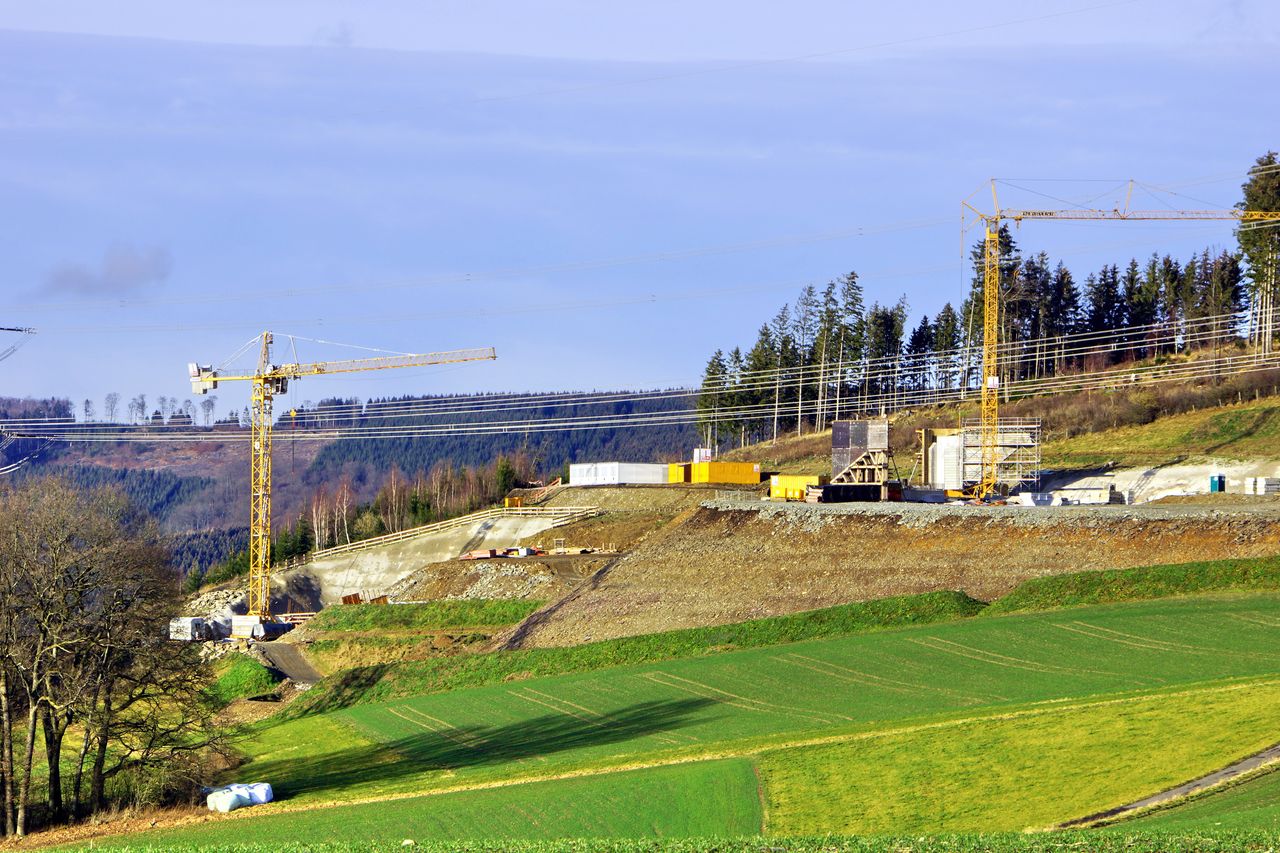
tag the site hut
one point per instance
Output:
(618, 474)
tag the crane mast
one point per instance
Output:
(268, 381)
(988, 482)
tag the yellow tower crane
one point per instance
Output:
(989, 432)
(272, 379)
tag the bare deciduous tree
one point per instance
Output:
(84, 591)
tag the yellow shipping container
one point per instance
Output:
(793, 487)
(725, 472)
(678, 472)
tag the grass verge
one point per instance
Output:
(1253, 804)
(1112, 585)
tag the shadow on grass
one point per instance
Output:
(441, 748)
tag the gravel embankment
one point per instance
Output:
(731, 560)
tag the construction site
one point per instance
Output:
(714, 511)
(594, 429)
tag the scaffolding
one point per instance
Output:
(1017, 457)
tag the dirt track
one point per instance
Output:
(286, 658)
(731, 561)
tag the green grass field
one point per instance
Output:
(1250, 805)
(1016, 773)
(1147, 842)
(689, 706)
(1000, 723)
(382, 683)
(954, 724)
(707, 799)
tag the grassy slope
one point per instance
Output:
(711, 798)
(1096, 587)
(1012, 774)
(239, 676)
(348, 636)
(443, 674)
(1250, 805)
(949, 697)
(751, 700)
(1148, 582)
(1242, 431)
(431, 615)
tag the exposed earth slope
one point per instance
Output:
(733, 561)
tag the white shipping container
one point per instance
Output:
(617, 474)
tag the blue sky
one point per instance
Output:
(605, 194)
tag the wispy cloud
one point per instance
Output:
(124, 269)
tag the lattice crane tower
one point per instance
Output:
(272, 379)
(989, 435)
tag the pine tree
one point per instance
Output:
(711, 397)
(852, 337)
(757, 388)
(919, 362)
(733, 396)
(1141, 305)
(885, 327)
(1104, 307)
(946, 340)
(1261, 248)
